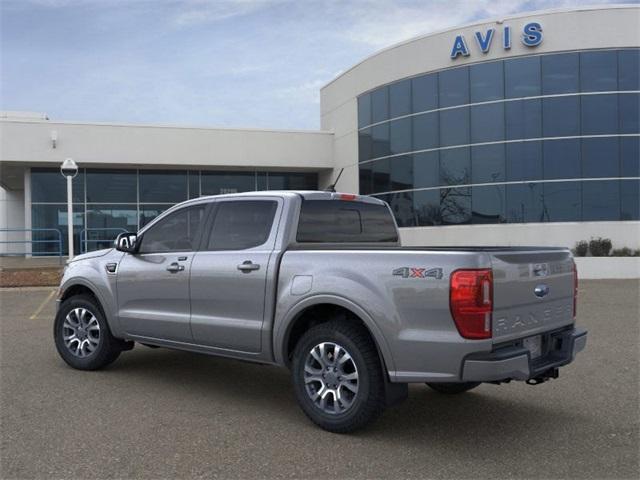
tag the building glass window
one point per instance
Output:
(380, 140)
(488, 204)
(560, 73)
(486, 81)
(380, 105)
(365, 145)
(599, 71)
(629, 69)
(487, 123)
(381, 170)
(454, 127)
(400, 99)
(400, 135)
(424, 93)
(599, 114)
(402, 173)
(217, 183)
(364, 110)
(194, 184)
(149, 212)
(52, 216)
(455, 205)
(561, 159)
(48, 185)
(562, 201)
(454, 87)
(426, 208)
(629, 113)
(365, 178)
(112, 186)
(292, 181)
(488, 164)
(600, 157)
(629, 200)
(524, 203)
(455, 166)
(163, 187)
(523, 119)
(401, 204)
(561, 116)
(426, 169)
(522, 77)
(524, 161)
(600, 200)
(425, 131)
(630, 157)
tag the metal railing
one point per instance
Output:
(57, 241)
(85, 240)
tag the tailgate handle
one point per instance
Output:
(541, 290)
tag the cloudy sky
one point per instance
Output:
(247, 63)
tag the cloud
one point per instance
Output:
(210, 11)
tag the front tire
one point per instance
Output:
(82, 335)
(453, 388)
(337, 376)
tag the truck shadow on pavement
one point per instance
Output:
(495, 415)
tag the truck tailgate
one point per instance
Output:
(533, 292)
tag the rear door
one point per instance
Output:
(229, 274)
(533, 292)
(153, 284)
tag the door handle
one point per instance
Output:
(175, 267)
(247, 266)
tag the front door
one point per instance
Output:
(229, 274)
(153, 284)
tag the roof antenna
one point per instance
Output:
(332, 187)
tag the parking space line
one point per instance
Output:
(42, 305)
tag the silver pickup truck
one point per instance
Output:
(318, 282)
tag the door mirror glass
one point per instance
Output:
(126, 242)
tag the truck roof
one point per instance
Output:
(305, 194)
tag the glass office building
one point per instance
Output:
(540, 138)
(110, 201)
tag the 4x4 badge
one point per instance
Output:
(416, 272)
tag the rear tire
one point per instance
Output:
(453, 388)
(82, 335)
(337, 376)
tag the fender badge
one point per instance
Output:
(416, 272)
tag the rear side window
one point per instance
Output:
(242, 224)
(340, 221)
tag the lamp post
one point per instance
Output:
(69, 170)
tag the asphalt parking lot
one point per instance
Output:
(159, 413)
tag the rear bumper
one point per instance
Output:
(515, 362)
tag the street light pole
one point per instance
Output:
(69, 170)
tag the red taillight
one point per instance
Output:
(575, 289)
(471, 302)
(347, 196)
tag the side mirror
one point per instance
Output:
(126, 242)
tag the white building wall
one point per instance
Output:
(11, 217)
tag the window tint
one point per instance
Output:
(629, 112)
(112, 186)
(365, 145)
(629, 194)
(562, 201)
(424, 93)
(364, 110)
(488, 204)
(380, 137)
(455, 166)
(169, 187)
(629, 69)
(561, 159)
(425, 131)
(455, 205)
(400, 135)
(454, 127)
(524, 161)
(524, 203)
(402, 172)
(487, 82)
(325, 221)
(426, 167)
(523, 119)
(601, 200)
(380, 105)
(48, 185)
(454, 87)
(630, 157)
(400, 99)
(487, 164)
(487, 123)
(178, 232)
(522, 77)
(600, 157)
(561, 116)
(401, 204)
(598, 71)
(426, 207)
(599, 114)
(560, 73)
(241, 224)
(365, 177)
(381, 175)
(217, 183)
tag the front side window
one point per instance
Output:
(243, 224)
(178, 232)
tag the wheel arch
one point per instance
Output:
(320, 309)
(80, 286)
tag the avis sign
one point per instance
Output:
(531, 37)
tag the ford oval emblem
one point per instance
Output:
(541, 290)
